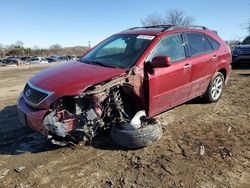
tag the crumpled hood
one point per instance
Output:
(73, 77)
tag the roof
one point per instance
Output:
(157, 29)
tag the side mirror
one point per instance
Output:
(160, 61)
(238, 43)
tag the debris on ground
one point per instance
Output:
(109, 182)
(224, 152)
(3, 173)
(19, 169)
(202, 149)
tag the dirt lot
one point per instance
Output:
(173, 161)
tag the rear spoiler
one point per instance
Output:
(216, 32)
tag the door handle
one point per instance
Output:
(214, 57)
(187, 66)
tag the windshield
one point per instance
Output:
(118, 51)
(246, 41)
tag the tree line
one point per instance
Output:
(18, 50)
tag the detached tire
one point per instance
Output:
(138, 138)
(215, 88)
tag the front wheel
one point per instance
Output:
(137, 138)
(215, 88)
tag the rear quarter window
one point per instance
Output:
(213, 42)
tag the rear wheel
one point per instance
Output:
(215, 88)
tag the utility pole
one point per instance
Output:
(89, 44)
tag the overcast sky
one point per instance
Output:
(75, 22)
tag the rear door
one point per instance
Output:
(203, 60)
(169, 86)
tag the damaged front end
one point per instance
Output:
(71, 123)
(73, 119)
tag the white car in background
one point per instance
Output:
(38, 60)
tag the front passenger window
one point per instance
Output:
(171, 46)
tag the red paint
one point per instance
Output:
(166, 87)
(72, 78)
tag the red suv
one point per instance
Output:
(143, 68)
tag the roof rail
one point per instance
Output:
(159, 26)
(188, 27)
(164, 27)
(169, 27)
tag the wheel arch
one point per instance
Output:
(130, 97)
(223, 71)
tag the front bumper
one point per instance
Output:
(31, 117)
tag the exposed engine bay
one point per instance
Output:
(82, 117)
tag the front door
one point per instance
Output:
(169, 86)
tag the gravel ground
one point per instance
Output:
(222, 128)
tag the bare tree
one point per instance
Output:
(19, 43)
(35, 47)
(1, 50)
(248, 24)
(171, 17)
(55, 46)
(177, 17)
(152, 19)
(232, 43)
(248, 28)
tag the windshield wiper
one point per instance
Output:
(96, 63)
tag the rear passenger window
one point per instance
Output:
(198, 44)
(213, 42)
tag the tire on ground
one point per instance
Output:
(208, 94)
(138, 138)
